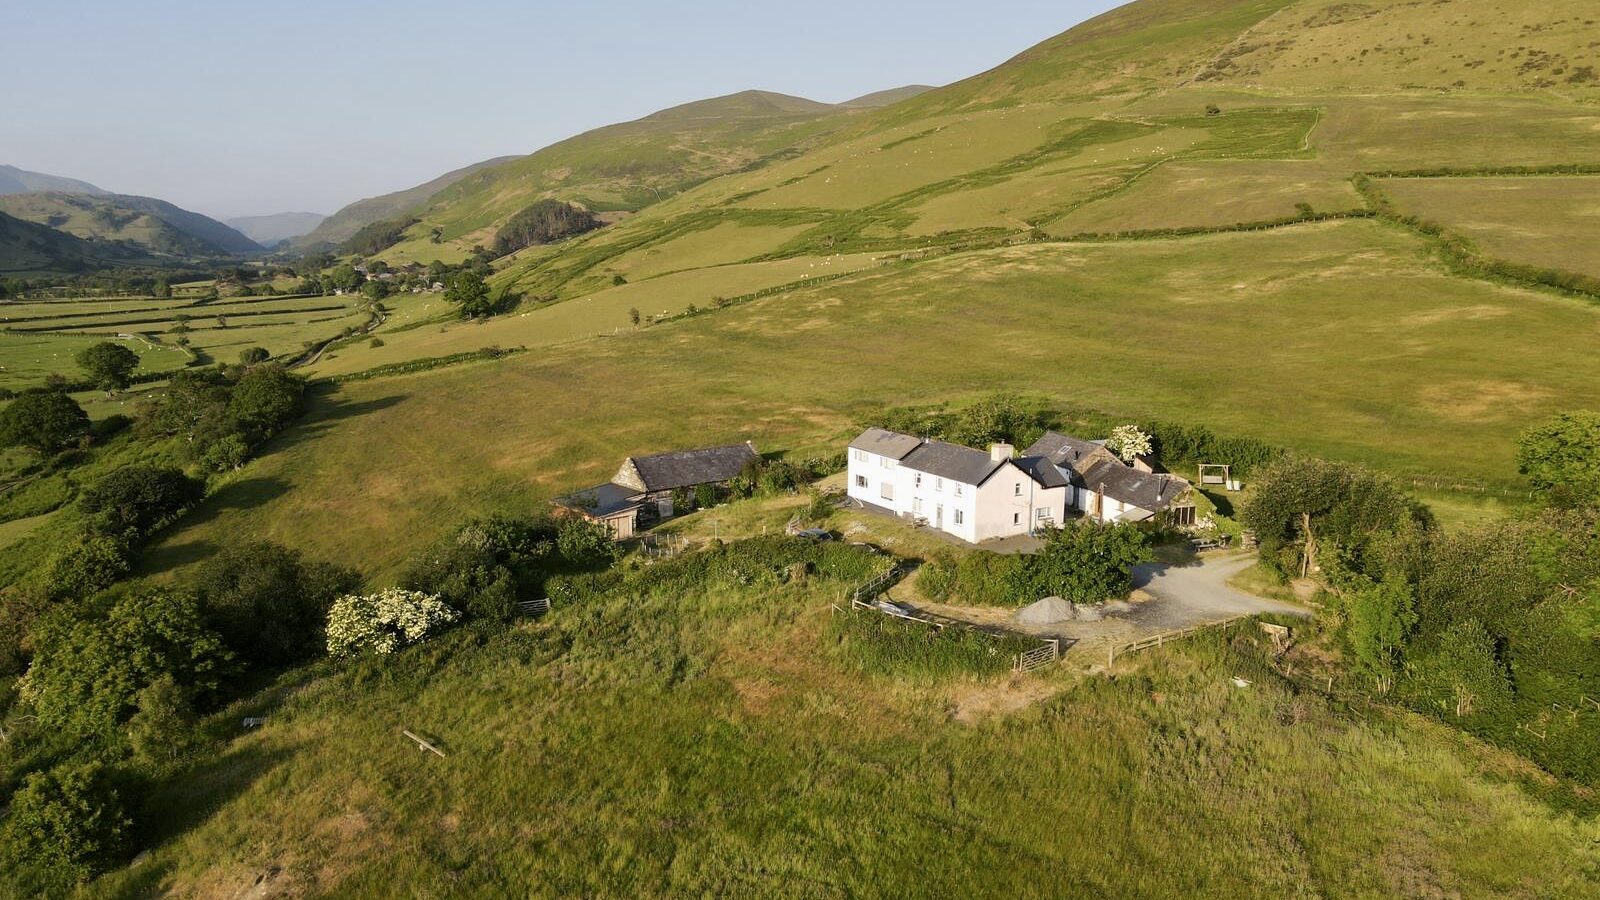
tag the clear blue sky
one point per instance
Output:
(238, 108)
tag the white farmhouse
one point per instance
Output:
(967, 493)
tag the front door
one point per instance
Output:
(938, 516)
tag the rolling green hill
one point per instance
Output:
(30, 248)
(620, 169)
(155, 226)
(337, 228)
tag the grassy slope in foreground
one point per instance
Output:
(1339, 339)
(711, 740)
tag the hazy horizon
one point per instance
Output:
(243, 110)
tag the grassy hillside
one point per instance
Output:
(337, 228)
(652, 743)
(152, 225)
(623, 168)
(30, 248)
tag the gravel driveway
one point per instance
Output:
(1196, 592)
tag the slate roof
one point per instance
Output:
(1062, 449)
(603, 501)
(1146, 490)
(1042, 471)
(883, 442)
(687, 468)
(952, 461)
(1104, 472)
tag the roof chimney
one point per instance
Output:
(1000, 452)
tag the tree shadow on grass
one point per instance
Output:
(324, 412)
(180, 802)
(244, 494)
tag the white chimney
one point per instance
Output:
(1000, 452)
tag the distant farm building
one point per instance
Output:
(642, 491)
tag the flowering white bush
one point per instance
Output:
(384, 622)
(1127, 441)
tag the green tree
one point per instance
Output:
(1303, 506)
(633, 315)
(67, 824)
(86, 567)
(1562, 458)
(88, 668)
(135, 499)
(268, 603)
(1379, 617)
(162, 730)
(376, 289)
(470, 292)
(251, 356)
(265, 399)
(1086, 562)
(43, 421)
(346, 278)
(109, 364)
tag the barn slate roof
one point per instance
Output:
(1042, 471)
(883, 442)
(1104, 472)
(687, 468)
(1063, 449)
(1153, 491)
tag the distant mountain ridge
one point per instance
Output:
(21, 181)
(270, 229)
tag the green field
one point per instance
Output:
(42, 338)
(605, 313)
(26, 359)
(1214, 194)
(1530, 220)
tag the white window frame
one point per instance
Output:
(960, 517)
(858, 455)
(938, 484)
(1016, 489)
(861, 482)
(886, 490)
(960, 489)
(1016, 518)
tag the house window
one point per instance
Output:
(1016, 518)
(861, 481)
(1016, 490)
(858, 455)
(1042, 513)
(916, 504)
(938, 484)
(960, 517)
(960, 489)
(886, 490)
(885, 462)
(918, 479)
